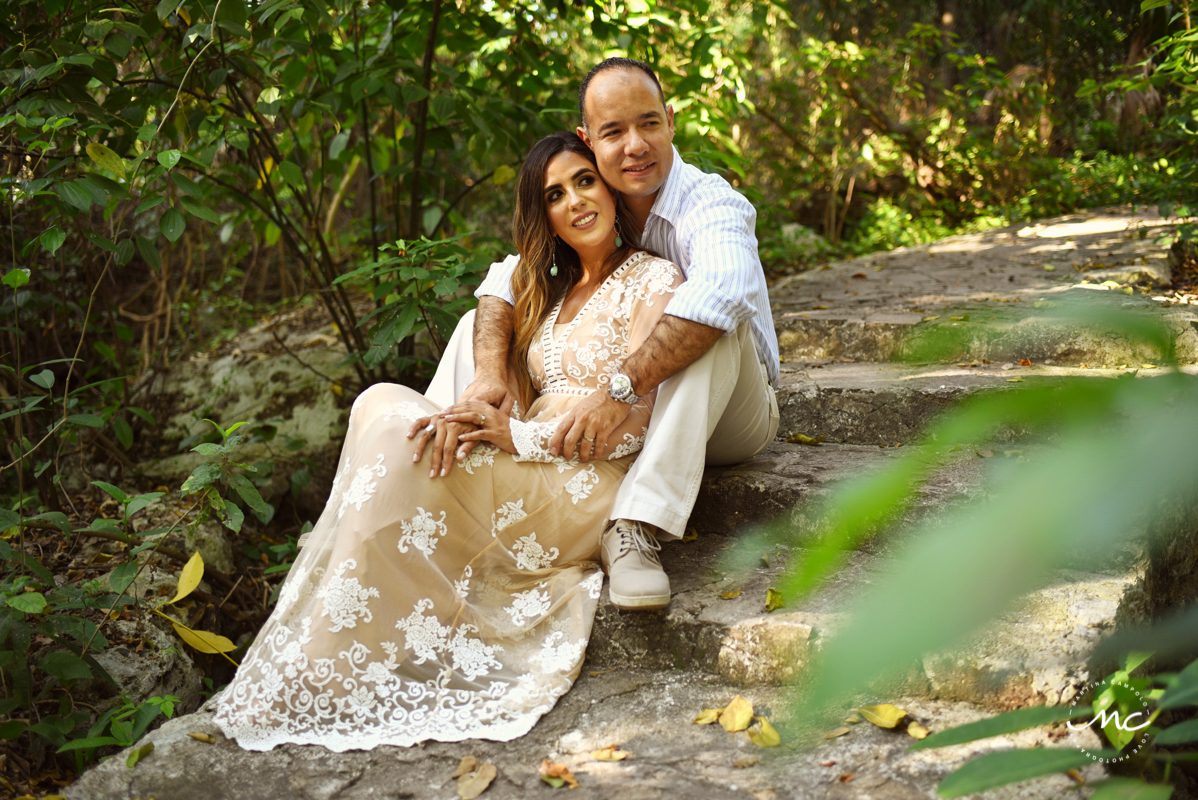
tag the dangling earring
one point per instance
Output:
(553, 269)
(619, 241)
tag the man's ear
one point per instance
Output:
(669, 118)
(586, 137)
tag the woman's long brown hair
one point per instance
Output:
(535, 290)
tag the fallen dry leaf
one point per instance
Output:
(773, 600)
(732, 595)
(692, 534)
(852, 719)
(557, 775)
(846, 777)
(200, 736)
(884, 715)
(986, 453)
(610, 753)
(472, 784)
(737, 716)
(962, 318)
(1076, 776)
(744, 762)
(1023, 362)
(835, 732)
(1016, 379)
(765, 734)
(708, 716)
(917, 731)
(467, 764)
(932, 318)
(827, 763)
(859, 276)
(593, 673)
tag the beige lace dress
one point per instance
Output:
(458, 607)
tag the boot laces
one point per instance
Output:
(634, 537)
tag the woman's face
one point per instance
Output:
(582, 210)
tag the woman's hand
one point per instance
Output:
(433, 429)
(494, 426)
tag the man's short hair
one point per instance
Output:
(615, 63)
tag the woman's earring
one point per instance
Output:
(553, 269)
(619, 241)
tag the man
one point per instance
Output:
(713, 357)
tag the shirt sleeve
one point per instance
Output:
(724, 265)
(498, 282)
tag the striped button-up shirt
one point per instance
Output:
(707, 228)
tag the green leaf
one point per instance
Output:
(106, 158)
(169, 158)
(1011, 766)
(200, 478)
(232, 517)
(52, 239)
(1130, 789)
(209, 449)
(200, 210)
(123, 432)
(149, 253)
(141, 501)
(97, 29)
(122, 576)
(65, 666)
(1008, 722)
(28, 602)
(13, 728)
(292, 174)
(44, 379)
(1181, 733)
(139, 754)
(87, 420)
(1148, 5)
(102, 242)
(16, 278)
(146, 132)
(1185, 691)
(337, 146)
(249, 493)
(73, 194)
(86, 743)
(172, 225)
(114, 492)
(124, 251)
(57, 519)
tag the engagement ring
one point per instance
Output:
(431, 427)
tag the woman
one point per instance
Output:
(459, 606)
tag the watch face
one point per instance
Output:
(621, 386)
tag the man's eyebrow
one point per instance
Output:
(614, 123)
(582, 171)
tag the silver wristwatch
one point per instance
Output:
(620, 388)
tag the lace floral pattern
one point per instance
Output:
(459, 607)
(345, 600)
(422, 532)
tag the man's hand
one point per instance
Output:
(492, 341)
(587, 426)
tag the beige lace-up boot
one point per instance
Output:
(629, 554)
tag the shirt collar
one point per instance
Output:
(669, 199)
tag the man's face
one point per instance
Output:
(630, 131)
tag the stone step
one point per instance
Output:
(878, 307)
(717, 622)
(646, 713)
(887, 403)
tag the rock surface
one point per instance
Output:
(647, 713)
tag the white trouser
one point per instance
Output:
(726, 393)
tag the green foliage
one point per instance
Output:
(419, 285)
